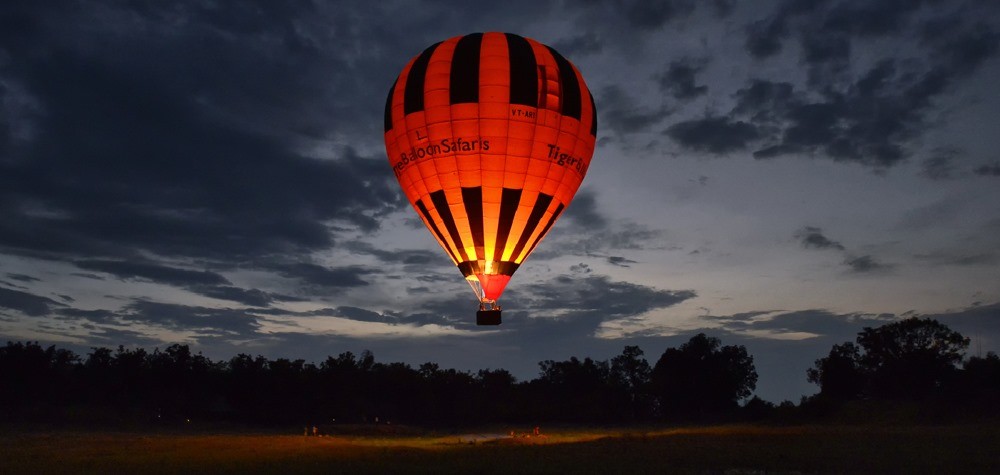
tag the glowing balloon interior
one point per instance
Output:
(490, 136)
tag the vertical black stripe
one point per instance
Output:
(473, 199)
(536, 215)
(388, 106)
(427, 215)
(413, 97)
(464, 86)
(593, 109)
(523, 71)
(441, 203)
(509, 199)
(555, 216)
(569, 85)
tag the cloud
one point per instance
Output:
(813, 238)
(130, 270)
(717, 135)
(581, 240)
(815, 322)
(250, 297)
(623, 114)
(95, 316)
(851, 111)
(323, 277)
(865, 264)
(580, 45)
(202, 320)
(132, 158)
(583, 211)
(958, 258)
(403, 257)
(992, 169)
(764, 37)
(22, 277)
(941, 164)
(679, 79)
(206, 283)
(620, 261)
(653, 15)
(113, 337)
(27, 303)
(762, 100)
(600, 295)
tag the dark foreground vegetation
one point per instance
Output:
(730, 450)
(913, 370)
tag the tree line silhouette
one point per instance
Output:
(914, 360)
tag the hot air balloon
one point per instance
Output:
(490, 136)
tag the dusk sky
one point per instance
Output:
(776, 174)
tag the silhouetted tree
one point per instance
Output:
(839, 375)
(983, 373)
(910, 358)
(497, 396)
(907, 359)
(33, 375)
(979, 383)
(630, 371)
(578, 391)
(702, 378)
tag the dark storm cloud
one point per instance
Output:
(130, 270)
(849, 18)
(865, 264)
(620, 261)
(22, 278)
(718, 135)
(816, 321)
(114, 337)
(623, 114)
(455, 309)
(362, 315)
(958, 258)
(321, 276)
(936, 214)
(813, 238)
(95, 316)
(584, 212)
(653, 15)
(576, 304)
(761, 100)
(941, 164)
(679, 79)
(27, 303)
(351, 313)
(870, 117)
(206, 283)
(599, 294)
(988, 170)
(250, 297)
(977, 321)
(765, 37)
(403, 257)
(871, 122)
(202, 320)
(583, 44)
(581, 240)
(180, 133)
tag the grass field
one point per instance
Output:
(700, 450)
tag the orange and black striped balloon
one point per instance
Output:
(489, 135)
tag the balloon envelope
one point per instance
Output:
(490, 136)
